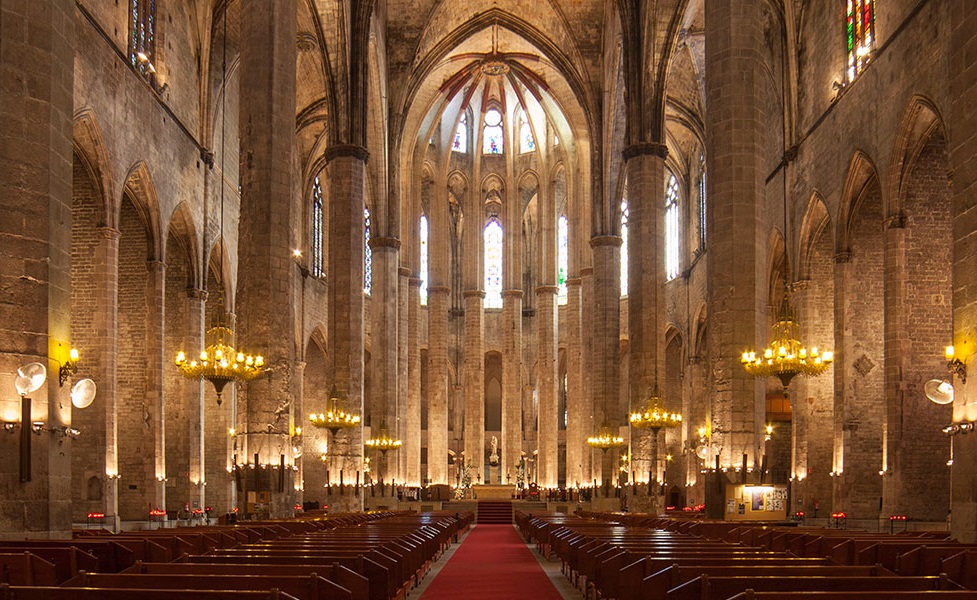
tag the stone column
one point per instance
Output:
(646, 366)
(384, 305)
(511, 383)
(842, 430)
(735, 59)
(346, 167)
(36, 82)
(403, 358)
(579, 422)
(962, 120)
(412, 438)
(197, 300)
(296, 429)
(438, 302)
(589, 401)
(547, 376)
(474, 367)
(606, 325)
(266, 273)
(155, 361)
(106, 324)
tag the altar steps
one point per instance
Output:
(494, 512)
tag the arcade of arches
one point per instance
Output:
(492, 227)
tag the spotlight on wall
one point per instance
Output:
(83, 393)
(954, 365)
(69, 367)
(939, 391)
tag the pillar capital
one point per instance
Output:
(404, 272)
(572, 281)
(605, 240)
(515, 293)
(644, 149)
(473, 294)
(547, 289)
(109, 233)
(384, 242)
(415, 282)
(346, 150)
(438, 289)
(586, 271)
(197, 294)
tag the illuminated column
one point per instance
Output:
(412, 436)
(606, 324)
(474, 367)
(403, 351)
(511, 382)
(438, 301)
(197, 300)
(155, 403)
(579, 423)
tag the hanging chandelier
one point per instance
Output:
(605, 439)
(655, 416)
(786, 357)
(335, 417)
(219, 362)
(382, 441)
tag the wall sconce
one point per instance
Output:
(954, 365)
(69, 367)
(768, 431)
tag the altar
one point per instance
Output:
(489, 491)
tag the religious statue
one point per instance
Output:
(494, 456)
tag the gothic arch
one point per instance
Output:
(816, 221)
(223, 271)
(778, 267)
(861, 173)
(89, 145)
(920, 121)
(141, 191)
(183, 229)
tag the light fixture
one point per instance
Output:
(220, 363)
(30, 378)
(605, 439)
(335, 417)
(83, 393)
(954, 365)
(655, 416)
(69, 367)
(382, 441)
(939, 391)
(786, 357)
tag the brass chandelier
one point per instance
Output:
(605, 439)
(335, 417)
(382, 441)
(655, 416)
(219, 362)
(785, 357)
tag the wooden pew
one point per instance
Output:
(24, 568)
(888, 595)
(311, 587)
(356, 584)
(961, 568)
(62, 593)
(706, 587)
(112, 557)
(67, 561)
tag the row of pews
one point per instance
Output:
(361, 556)
(629, 557)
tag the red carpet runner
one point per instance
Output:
(493, 563)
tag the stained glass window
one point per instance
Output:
(367, 254)
(460, 143)
(492, 137)
(671, 229)
(142, 34)
(527, 143)
(702, 203)
(492, 237)
(315, 266)
(562, 259)
(624, 246)
(859, 34)
(423, 274)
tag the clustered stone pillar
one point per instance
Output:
(474, 366)
(963, 162)
(606, 324)
(579, 422)
(734, 64)
(403, 385)
(346, 170)
(106, 322)
(438, 299)
(412, 448)
(589, 404)
(195, 437)
(155, 402)
(646, 187)
(266, 271)
(35, 240)
(511, 382)
(547, 381)
(384, 305)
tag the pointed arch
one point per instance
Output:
(219, 265)
(140, 189)
(184, 232)
(89, 144)
(861, 173)
(816, 221)
(318, 337)
(920, 121)
(778, 266)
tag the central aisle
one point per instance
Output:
(492, 563)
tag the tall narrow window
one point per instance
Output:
(492, 237)
(142, 34)
(460, 143)
(859, 34)
(492, 138)
(315, 260)
(423, 273)
(527, 143)
(562, 259)
(671, 229)
(702, 203)
(367, 254)
(624, 245)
